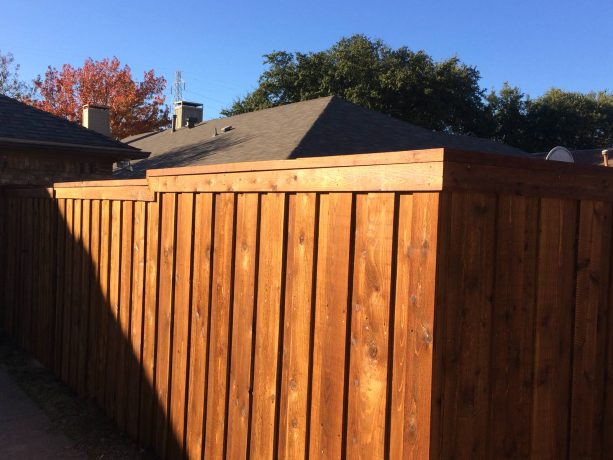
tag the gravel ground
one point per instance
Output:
(86, 426)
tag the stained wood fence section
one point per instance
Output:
(372, 306)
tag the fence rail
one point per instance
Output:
(401, 305)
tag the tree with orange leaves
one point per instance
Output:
(135, 107)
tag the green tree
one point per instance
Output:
(574, 120)
(508, 116)
(10, 84)
(443, 95)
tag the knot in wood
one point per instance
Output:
(372, 351)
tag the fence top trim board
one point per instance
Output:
(407, 171)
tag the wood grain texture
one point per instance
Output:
(113, 333)
(412, 176)
(134, 358)
(330, 334)
(268, 326)
(103, 305)
(164, 321)
(413, 326)
(124, 355)
(468, 310)
(435, 304)
(370, 303)
(69, 288)
(83, 307)
(220, 339)
(180, 342)
(199, 326)
(75, 305)
(590, 330)
(553, 327)
(513, 322)
(245, 262)
(146, 413)
(95, 298)
(298, 319)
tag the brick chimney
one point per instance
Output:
(96, 118)
(188, 114)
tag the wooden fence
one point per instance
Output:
(406, 305)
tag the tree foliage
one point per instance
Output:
(135, 107)
(409, 85)
(442, 95)
(10, 84)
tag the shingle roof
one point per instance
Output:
(22, 125)
(318, 127)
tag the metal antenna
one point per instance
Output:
(177, 87)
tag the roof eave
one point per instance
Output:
(116, 153)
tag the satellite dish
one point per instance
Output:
(560, 154)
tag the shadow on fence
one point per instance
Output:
(74, 296)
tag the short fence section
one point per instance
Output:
(228, 312)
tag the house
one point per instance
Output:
(38, 148)
(318, 127)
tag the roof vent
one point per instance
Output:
(225, 129)
(191, 122)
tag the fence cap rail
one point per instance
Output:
(405, 171)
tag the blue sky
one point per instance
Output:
(219, 46)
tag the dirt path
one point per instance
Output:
(25, 431)
(41, 418)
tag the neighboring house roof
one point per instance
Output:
(318, 127)
(23, 127)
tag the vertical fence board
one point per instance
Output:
(33, 329)
(370, 303)
(103, 305)
(245, 262)
(112, 325)
(468, 315)
(125, 297)
(136, 320)
(513, 321)
(180, 342)
(199, 325)
(413, 326)
(607, 422)
(25, 305)
(10, 271)
(220, 325)
(555, 301)
(164, 320)
(75, 306)
(68, 291)
(330, 335)
(146, 424)
(95, 298)
(268, 324)
(83, 306)
(298, 314)
(60, 285)
(593, 264)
